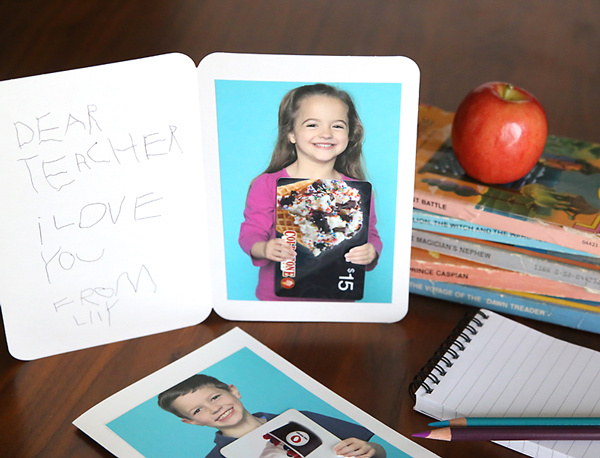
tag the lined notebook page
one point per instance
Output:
(511, 370)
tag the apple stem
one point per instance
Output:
(507, 90)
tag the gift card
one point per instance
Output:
(322, 220)
(289, 435)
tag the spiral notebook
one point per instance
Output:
(491, 366)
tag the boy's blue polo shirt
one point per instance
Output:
(335, 426)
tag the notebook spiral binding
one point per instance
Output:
(449, 350)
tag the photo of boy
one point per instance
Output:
(203, 400)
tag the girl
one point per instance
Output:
(320, 137)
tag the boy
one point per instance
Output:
(205, 401)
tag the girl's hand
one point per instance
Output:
(363, 255)
(354, 447)
(274, 250)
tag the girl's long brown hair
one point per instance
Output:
(349, 163)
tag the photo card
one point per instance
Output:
(239, 378)
(250, 104)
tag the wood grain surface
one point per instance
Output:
(549, 47)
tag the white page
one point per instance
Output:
(101, 243)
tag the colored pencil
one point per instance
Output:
(518, 421)
(507, 433)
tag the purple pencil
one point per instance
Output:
(502, 433)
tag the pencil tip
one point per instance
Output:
(422, 434)
(438, 424)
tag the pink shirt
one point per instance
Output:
(259, 226)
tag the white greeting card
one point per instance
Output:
(125, 187)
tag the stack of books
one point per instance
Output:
(528, 248)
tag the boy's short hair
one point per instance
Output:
(195, 382)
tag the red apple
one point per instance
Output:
(499, 132)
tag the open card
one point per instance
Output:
(291, 406)
(125, 186)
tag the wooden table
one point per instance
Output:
(547, 46)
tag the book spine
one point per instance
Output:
(551, 233)
(427, 221)
(508, 303)
(506, 259)
(489, 277)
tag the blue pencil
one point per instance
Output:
(519, 421)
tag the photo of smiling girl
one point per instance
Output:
(320, 136)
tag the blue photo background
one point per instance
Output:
(157, 434)
(247, 128)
